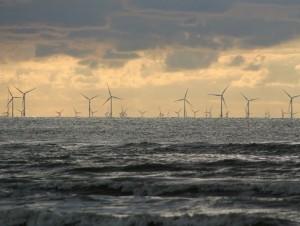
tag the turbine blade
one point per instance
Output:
(85, 96)
(18, 90)
(287, 93)
(225, 89)
(179, 100)
(186, 93)
(107, 100)
(296, 96)
(244, 96)
(94, 97)
(117, 97)
(217, 95)
(188, 102)
(29, 91)
(223, 99)
(108, 90)
(254, 99)
(10, 101)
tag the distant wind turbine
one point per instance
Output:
(142, 113)
(89, 99)
(123, 113)
(184, 103)
(93, 112)
(12, 98)
(208, 114)
(160, 113)
(222, 100)
(111, 101)
(59, 113)
(248, 104)
(195, 112)
(283, 113)
(177, 112)
(24, 99)
(76, 112)
(291, 110)
(227, 114)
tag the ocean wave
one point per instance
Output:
(179, 187)
(40, 217)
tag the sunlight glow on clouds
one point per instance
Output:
(141, 48)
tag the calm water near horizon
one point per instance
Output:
(149, 171)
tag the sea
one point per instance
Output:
(149, 172)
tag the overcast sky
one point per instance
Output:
(150, 52)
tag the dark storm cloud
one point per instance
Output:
(186, 5)
(133, 25)
(58, 12)
(237, 61)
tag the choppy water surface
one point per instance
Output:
(64, 171)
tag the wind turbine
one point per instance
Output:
(184, 103)
(21, 112)
(59, 113)
(142, 113)
(93, 112)
(76, 112)
(89, 99)
(227, 114)
(107, 112)
(111, 99)
(123, 113)
(267, 114)
(248, 104)
(24, 99)
(291, 102)
(283, 113)
(178, 112)
(208, 113)
(160, 113)
(168, 113)
(222, 99)
(12, 102)
(195, 112)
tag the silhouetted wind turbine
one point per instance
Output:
(24, 99)
(12, 98)
(227, 114)
(283, 113)
(142, 113)
(160, 113)
(222, 99)
(291, 102)
(89, 99)
(178, 112)
(76, 112)
(248, 104)
(184, 103)
(195, 112)
(21, 112)
(111, 99)
(59, 113)
(93, 112)
(123, 113)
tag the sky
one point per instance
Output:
(150, 53)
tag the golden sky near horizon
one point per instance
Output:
(150, 52)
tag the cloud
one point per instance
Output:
(237, 61)
(188, 60)
(43, 50)
(110, 54)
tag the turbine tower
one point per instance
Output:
(184, 103)
(142, 113)
(283, 113)
(248, 105)
(291, 110)
(12, 98)
(90, 100)
(111, 103)
(222, 100)
(93, 112)
(24, 99)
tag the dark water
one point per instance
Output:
(63, 171)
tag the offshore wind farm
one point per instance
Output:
(150, 113)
